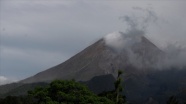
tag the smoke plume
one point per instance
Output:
(138, 27)
(119, 41)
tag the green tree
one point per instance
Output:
(119, 89)
(116, 95)
(40, 95)
(63, 92)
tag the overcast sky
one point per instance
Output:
(38, 34)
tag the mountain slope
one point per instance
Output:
(19, 89)
(100, 59)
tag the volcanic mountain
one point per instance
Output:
(97, 66)
(137, 53)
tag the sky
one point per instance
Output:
(38, 34)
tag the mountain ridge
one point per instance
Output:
(100, 59)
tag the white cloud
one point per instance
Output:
(4, 80)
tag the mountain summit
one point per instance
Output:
(115, 51)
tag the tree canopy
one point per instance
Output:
(66, 92)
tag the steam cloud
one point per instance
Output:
(120, 41)
(137, 27)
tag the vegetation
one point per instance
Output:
(116, 95)
(67, 92)
(71, 92)
(59, 92)
(64, 92)
(16, 100)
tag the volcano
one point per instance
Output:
(100, 59)
(97, 65)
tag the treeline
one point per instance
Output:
(68, 92)
(58, 92)
(72, 92)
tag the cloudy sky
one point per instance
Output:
(36, 35)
